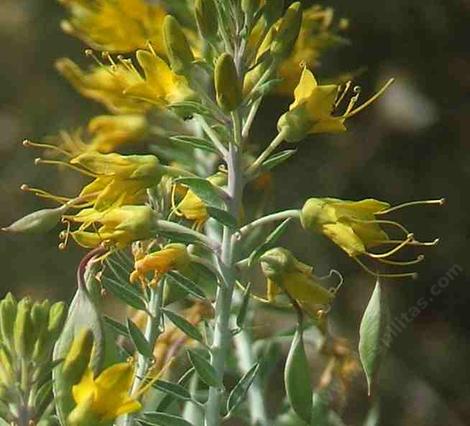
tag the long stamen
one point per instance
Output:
(419, 259)
(384, 222)
(44, 194)
(27, 143)
(411, 243)
(392, 251)
(439, 202)
(64, 163)
(64, 235)
(91, 54)
(343, 93)
(412, 275)
(368, 102)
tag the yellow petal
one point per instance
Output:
(85, 389)
(344, 236)
(305, 88)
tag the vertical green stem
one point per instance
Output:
(223, 304)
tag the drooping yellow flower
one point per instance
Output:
(119, 179)
(160, 86)
(357, 226)
(285, 273)
(116, 25)
(313, 108)
(111, 131)
(317, 34)
(104, 398)
(105, 84)
(171, 257)
(117, 227)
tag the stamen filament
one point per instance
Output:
(27, 143)
(439, 202)
(64, 163)
(412, 275)
(419, 259)
(384, 222)
(393, 250)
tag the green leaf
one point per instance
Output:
(204, 370)
(186, 284)
(297, 379)
(244, 307)
(205, 190)
(222, 216)
(184, 325)
(269, 242)
(166, 401)
(180, 238)
(139, 340)
(116, 326)
(374, 334)
(238, 393)
(188, 108)
(162, 419)
(173, 389)
(194, 142)
(277, 159)
(124, 292)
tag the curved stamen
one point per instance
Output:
(82, 170)
(412, 243)
(393, 250)
(439, 202)
(383, 222)
(412, 275)
(27, 143)
(419, 259)
(44, 194)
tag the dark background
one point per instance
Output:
(412, 144)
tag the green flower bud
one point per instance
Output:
(57, 315)
(78, 357)
(177, 46)
(8, 308)
(227, 84)
(313, 215)
(206, 18)
(40, 318)
(38, 222)
(23, 334)
(7, 374)
(288, 31)
(273, 11)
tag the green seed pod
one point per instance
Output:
(227, 84)
(177, 46)
(38, 222)
(273, 11)
(78, 357)
(57, 315)
(8, 308)
(288, 31)
(23, 334)
(205, 13)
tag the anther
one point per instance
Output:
(25, 187)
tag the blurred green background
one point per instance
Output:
(412, 144)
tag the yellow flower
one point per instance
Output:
(105, 84)
(161, 86)
(118, 226)
(356, 227)
(111, 131)
(104, 398)
(316, 35)
(116, 25)
(313, 108)
(285, 273)
(119, 179)
(171, 257)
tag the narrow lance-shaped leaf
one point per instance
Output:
(184, 325)
(204, 369)
(238, 393)
(204, 189)
(162, 419)
(297, 379)
(186, 284)
(222, 216)
(277, 159)
(174, 389)
(123, 292)
(194, 142)
(244, 307)
(374, 334)
(139, 340)
(271, 239)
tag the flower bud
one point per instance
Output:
(38, 222)
(177, 46)
(206, 18)
(78, 357)
(23, 335)
(288, 31)
(294, 125)
(227, 84)
(57, 315)
(8, 308)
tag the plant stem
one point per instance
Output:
(274, 217)
(266, 153)
(223, 304)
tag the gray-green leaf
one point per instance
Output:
(374, 334)
(204, 189)
(186, 284)
(223, 217)
(204, 369)
(238, 393)
(162, 419)
(139, 340)
(184, 325)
